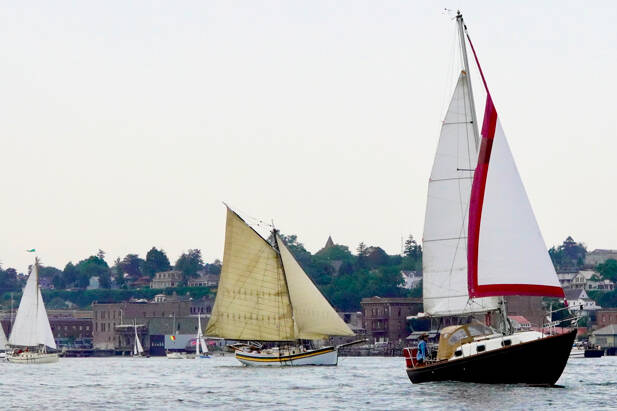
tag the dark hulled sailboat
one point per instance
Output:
(481, 243)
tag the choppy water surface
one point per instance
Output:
(357, 383)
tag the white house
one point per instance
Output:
(579, 300)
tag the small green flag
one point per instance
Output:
(31, 250)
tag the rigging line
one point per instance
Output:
(453, 178)
(444, 239)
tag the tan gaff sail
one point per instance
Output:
(314, 317)
(252, 302)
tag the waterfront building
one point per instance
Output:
(202, 306)
(606, 317)
(114, 322)
(605, 337)
(578, 300)
(166, 279)
(385, 319)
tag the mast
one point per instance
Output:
(278, 253)
(461, 31)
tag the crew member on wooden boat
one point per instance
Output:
(421, 356)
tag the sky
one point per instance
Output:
(125, 125)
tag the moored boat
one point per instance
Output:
(481, 244)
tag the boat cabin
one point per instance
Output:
(454, 336)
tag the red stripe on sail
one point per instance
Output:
(477, 195)
(519, 289)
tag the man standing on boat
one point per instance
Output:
(421, 356)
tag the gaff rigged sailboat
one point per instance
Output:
(265, 296)
(481, 243)
(31, 335)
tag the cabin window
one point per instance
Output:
(480, 348)
(458, 353)
(506, 343)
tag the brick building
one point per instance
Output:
(385, 319)
(113, 323)
(606, 317)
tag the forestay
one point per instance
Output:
(31, 327)
(314, 317)
(252, 301)
(445, 288)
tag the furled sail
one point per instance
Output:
(313, 315)
(445, 289)
(252, 301)
(507, 254)
(31, 327)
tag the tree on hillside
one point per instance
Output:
(214, 268)
(131, 264)
(570, 255)
(69, 274)
(118, 273)
(608, 269)
(90, 267)
(362, 251)
(412, 255)
(48, 271)
(156, 261)
(376, 257)
(8, 280)
(189, 264)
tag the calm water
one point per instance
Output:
(357, 383)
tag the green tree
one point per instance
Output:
(412, 255)
(118, 273)
(608, 269)
(131, 264)
(189, 264)
(570, 255)
(69, 274)
(156, 261)
(90, 267)
(362, 251)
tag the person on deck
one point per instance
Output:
(421, 356)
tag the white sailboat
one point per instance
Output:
(481, 243)
(201, 348)
(31, 335)
(138, 350)
(266, 297)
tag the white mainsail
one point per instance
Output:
(31, 327)
(252, 302)
(445, 288)
(313, 315)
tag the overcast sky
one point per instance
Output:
(126, 124)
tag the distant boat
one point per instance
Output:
(201, 348)
(481, 243)
(31, 335)
(266, 300)
(3, 343)
(138, 350)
